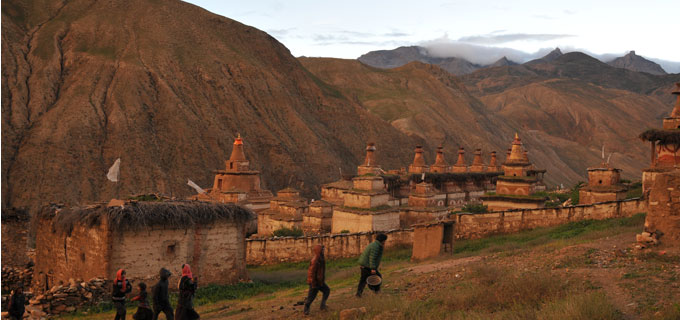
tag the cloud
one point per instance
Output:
(276, 33)
(484, 54)
(349, 37)
(495, 38)
(479, 54)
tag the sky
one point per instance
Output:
(480, 31)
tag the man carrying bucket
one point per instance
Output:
(369, 262)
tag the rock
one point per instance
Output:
(60, 308)
(70, 309)
(351, 314)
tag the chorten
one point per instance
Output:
(237, 183)
(370, 166)
(477, 163)
(515, 187)
(604, 184)
(493, 163)
(460, 165)
(440, 165)
(418, 165)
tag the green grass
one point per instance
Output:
(287, 232)
(540, 236)
(390, 255)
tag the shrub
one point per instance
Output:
(475, 208)
(344, 231)
(285, 232)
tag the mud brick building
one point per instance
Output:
(141, 237)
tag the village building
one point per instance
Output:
(285, 211)
(665, 145)
(516, 187)
(141, 237)
(604, 184)
(319, 218)
(291, 211)
(334, 192)
(366, 205)
(237, 183)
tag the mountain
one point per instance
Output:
(387, 59)
(563, 120)
(165, 86)
(633, 62)
(502, 62)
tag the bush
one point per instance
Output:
(475, 208)
(344, 231)
(285, 232)
(574, 192)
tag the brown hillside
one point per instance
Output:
(166, 86)
(563, 122)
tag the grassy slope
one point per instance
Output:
(581, 270)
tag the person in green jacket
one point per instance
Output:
(369, 261)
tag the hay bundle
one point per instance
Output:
(662, 136)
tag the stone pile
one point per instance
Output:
(12, 277)
(646, 239)
(69, 297)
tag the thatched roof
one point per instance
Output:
(177, 214)
(662, 136)
(14, 214)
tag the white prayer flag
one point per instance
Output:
(195, 186)
(114, 171)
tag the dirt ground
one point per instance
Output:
(640, 284)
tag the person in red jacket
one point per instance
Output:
(316, 278)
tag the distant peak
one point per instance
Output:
(631, 53)
(553, 55)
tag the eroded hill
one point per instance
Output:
(165, 86)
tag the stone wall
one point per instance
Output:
(467, 226)
(15, 238)
(346, 245)
(427, 241)
(470, 226)
(664, 208)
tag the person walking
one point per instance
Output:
(160, 296)
(316, 278)
(369, 261)
(17, 302)
(187, 288)
(143, 310)
(121, 287)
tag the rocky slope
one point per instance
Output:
(165, 86)
(633, 62)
